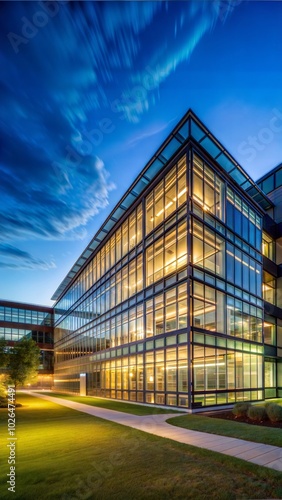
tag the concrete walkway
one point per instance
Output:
(257, 453)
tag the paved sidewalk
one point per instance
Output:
(257, 453)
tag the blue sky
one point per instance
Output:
(90, 90)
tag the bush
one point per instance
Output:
(257, 413)
(3, 394)
(274, 412)
(241, 409)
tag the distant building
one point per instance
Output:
(18, 321)
(177, 299)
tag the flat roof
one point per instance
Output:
(268, 174)
(189, 126)
(24, 305)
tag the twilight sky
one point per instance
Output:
(89, 90)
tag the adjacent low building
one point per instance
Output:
(18, 321)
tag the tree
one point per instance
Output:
(23, 362)
(3, 352)
(3, 362)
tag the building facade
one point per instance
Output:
(271, 184)
(18, 321)
(176, 299)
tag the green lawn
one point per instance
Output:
(249, 432)
(111, 404)
(278, 401)
(63, 454)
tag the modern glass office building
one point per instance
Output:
(18, 321)
(177, 299)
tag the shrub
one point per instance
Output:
(3, 394)
(241, 409)
(274, 412)
(257, 413)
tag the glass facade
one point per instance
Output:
(21, 315)
(169, 309)
(176, 300)
(271, 181)
(18, 321)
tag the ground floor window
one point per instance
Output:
(270, 373)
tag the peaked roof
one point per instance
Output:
(189, 126)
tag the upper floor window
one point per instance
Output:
(269, 287)
(168, 195)
(208, 189)
(242, 219)
(268, 247)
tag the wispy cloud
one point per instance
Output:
(46, 191)
(61, 82)
(181, 32)
(13, 258)
(149, 132)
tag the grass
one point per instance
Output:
(63, 454)
(249, 432)
(111, 404)
(278, 401)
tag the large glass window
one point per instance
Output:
(242, 270)
(125, 239)
(268, 247)
(215, 369)
(243, 220)
(243, 320)
(269, 287)
(168, 195)
(15, 315)
(270, 372)
(208, 308)
(208, 188)
(214, 311)
(167, 312)
(269, 327)
(167, 254)
(208, 249)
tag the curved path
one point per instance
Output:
(257, 453)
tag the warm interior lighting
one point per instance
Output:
(206, 256)
(160, 212)
(204, 205)
(204, 310)
(181, 259)
(208, 364)
(181, 193)
(169, 205)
